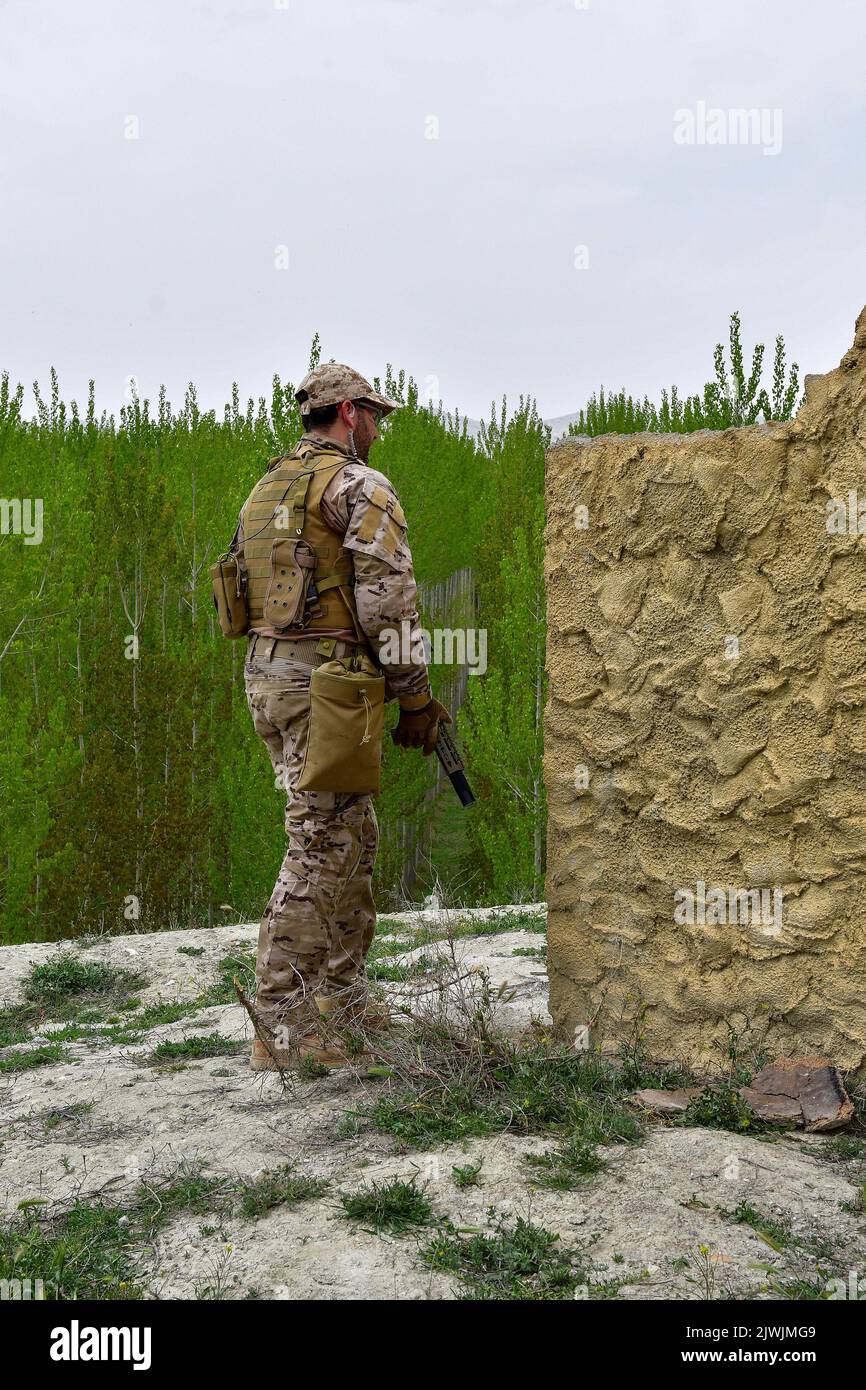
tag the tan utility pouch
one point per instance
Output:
(347, 711)
(229, 596)
(292, 565)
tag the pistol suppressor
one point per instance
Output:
(446, 752)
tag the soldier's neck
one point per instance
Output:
(333, 441)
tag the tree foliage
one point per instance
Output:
(731, 398)
(135, 794)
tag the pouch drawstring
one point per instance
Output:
(369, 711)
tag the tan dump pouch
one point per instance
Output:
(229, 597)
(292, 565)
(347, 713)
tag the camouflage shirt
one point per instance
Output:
(360, 505)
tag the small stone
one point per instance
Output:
(666, 1102)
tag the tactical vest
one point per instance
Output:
(284, 507)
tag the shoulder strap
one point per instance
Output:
(299, 500)
(302, 486)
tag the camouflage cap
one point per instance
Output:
(334, 382)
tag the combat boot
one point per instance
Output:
(361, 1013)
(311, 1048)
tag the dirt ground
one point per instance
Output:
(103, 1119)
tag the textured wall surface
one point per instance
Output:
(706, 732)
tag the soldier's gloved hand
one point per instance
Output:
(419, 728)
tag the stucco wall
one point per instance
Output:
(706, 724)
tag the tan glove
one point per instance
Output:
(419, 728)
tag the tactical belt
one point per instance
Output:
(304, 649)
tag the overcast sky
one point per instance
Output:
(427, 169)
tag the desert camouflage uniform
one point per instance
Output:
(319, 923)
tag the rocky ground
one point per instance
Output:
(99, 1111)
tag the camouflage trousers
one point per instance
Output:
(319, 923)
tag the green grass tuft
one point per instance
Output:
(567, 1166)
(222, 991)
(843, 1148)
(530, 1090)
(773, 1232)
(66, 978)
(396, 1206)
(200, 1045)
(280, 1188)
(525, 1263)
(33, 1057)
(82, 1253)
(398, 971)
(468, 1174)
(16, 1023)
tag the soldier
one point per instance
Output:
(319, 923)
